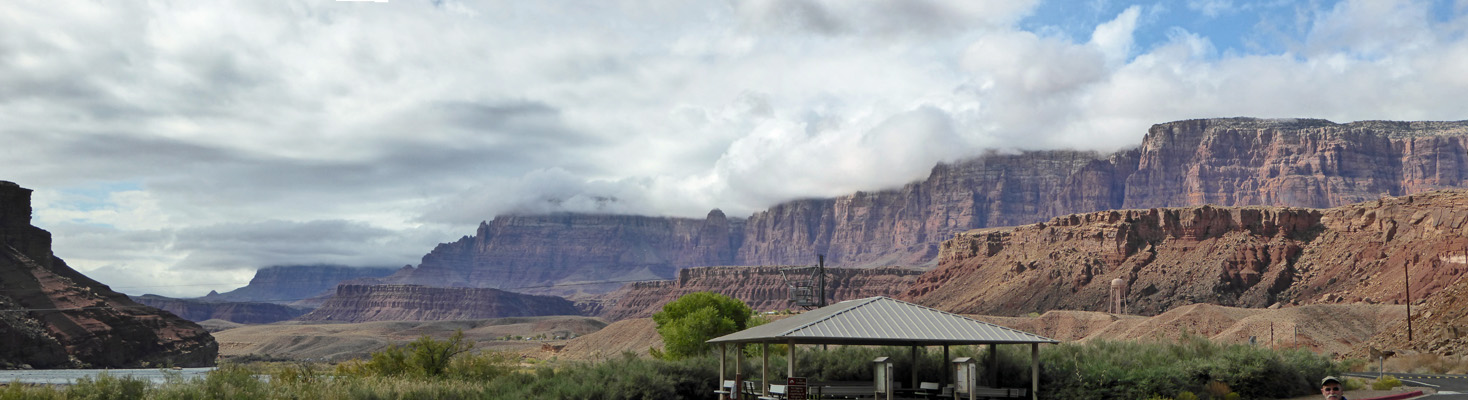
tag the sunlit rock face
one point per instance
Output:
(1253, 256)
(56, 317)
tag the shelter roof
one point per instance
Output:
(880, 321)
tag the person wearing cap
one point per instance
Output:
(1332, 389)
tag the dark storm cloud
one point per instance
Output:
(246, 245)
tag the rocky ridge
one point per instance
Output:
(233, 311)
(1223, 162)
(51, 316)
(762, 288)
(538, 253)
(1233, 256)
(364, 303)
(296, 285)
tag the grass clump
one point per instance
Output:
(1386, 383)
(107, 387)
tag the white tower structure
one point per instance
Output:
(1118, 297)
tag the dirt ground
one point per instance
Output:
(337, 342)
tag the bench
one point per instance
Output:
(997, 392)
(727, 389)
(777, 392)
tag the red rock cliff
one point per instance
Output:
(1225, 162)
(51, 308)
(1238, 256)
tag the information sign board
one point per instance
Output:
(795, 388)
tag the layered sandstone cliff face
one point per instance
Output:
(363, 303)
(1237, 256)
(233, 311)
(50, 309)
(1224, 162)
(762, 288)
(525, 253)
(295, 284)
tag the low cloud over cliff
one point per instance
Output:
(146, 126)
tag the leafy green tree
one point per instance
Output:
(686, 324)
(422, 357)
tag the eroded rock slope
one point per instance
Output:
(1234, 256)
(51, 316)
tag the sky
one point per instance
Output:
(176, 146)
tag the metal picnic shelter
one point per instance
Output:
(881, 321)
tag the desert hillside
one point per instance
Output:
(344, 341)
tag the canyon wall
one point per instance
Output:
(762, 288)
(1224, 162)
(1233, 256)
(526, 253)
(233, 311)
(363, 303)
(51, 316)
(296, 285)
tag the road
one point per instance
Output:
(1449, 387)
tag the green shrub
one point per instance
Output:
(480, 367)
(425, 357)
(1187, 396)
(107, 387)
(1385, 383)
(1353, 384)
(19, 391)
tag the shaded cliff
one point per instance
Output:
(293, 284)
(763, 288)
(55, 317)
(363, 303)
(1236, 256)
(241, 312)
(1225, 162)
(533, 252)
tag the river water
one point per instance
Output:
(69, 376)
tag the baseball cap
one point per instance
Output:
(1328, 380)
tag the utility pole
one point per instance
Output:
(821, 269)
(1408, 288)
